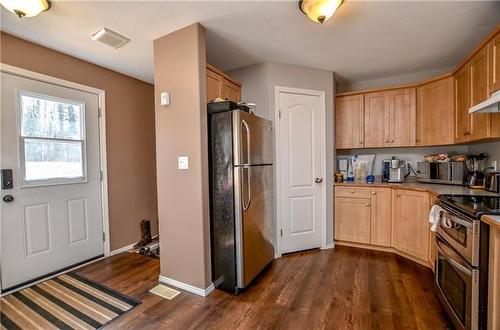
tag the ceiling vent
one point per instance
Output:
(110, 38)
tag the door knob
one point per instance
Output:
(8, 198)
(318, 180)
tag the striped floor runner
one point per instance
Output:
(66, 302)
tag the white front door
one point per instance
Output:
(301, 168)
(51, 213)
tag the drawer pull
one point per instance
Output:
(352, 191)
(367, 204)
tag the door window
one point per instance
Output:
(52, 139)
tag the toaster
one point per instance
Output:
(492, 182)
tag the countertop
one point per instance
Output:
(492, 220)
(434, 188)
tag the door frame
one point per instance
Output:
(277, 155)
(6, 68)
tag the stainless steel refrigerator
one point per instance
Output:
(241, 197)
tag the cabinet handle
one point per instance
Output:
(367, 204)
(374, 192)
(392, 141)
(418, 140)
(398, 195)
(352, 191)
(386, 140)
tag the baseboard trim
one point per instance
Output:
(328, 246)
(122, 249)
(126, 248)
(187, 287)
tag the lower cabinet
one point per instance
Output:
(380, 211)
(353, 219)
(385, 218)
(410, 225)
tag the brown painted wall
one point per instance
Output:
(181, 130)
(130, 131)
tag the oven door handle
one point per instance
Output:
(453, 262)
(453, 218)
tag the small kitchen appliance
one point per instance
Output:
(492, 182)
(397, 171)
(442, 172)
(475, 166)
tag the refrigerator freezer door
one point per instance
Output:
(254, 221)
(252, 139)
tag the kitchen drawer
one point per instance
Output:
(353, 192)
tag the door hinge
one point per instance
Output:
(99, 113)
(104, 237)
(279, 114)
(281, 232)
(101, 174)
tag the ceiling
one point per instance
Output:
(364, 40)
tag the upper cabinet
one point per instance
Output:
(402, 117)
(221, 85)
(435, 113)
(377, 119)
(428, 113)
(494, 64)
(349, 119)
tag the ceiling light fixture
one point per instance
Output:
(319, 10)
(26, 8)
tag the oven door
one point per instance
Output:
(462, 235)
(458, 286)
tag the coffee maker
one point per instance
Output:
(475, 165)
(397, 170)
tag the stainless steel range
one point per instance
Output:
(462, 258)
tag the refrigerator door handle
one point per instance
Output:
(245, 125)
(248, 169)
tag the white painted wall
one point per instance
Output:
(258, 82)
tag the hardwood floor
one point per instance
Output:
(344, 288)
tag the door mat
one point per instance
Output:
(164, 292)
(68, 301)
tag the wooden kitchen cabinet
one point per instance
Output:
(377, 114)
(380, 211)
(462, 105)
(494, 279)
(410, 224)
(480, 122)
(352, 219)
(403, 117)
(349, 121)
(435, 113)
(494, 64)
(221, 85)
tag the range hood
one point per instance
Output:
(490, 105)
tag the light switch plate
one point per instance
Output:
(165, 99)
(183, 162)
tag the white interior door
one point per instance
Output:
(51, 216)
(301, 169)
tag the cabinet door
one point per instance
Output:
(435, 113)
(410, 224)
(479, 92)
(215, 84)
(352, 219)
(349, 121)
(494, 64)
(381, 206)
(377, 119)
(403, 114)
(462, 105)
(231, 91)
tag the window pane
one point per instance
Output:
(52, 159)
(50, 119)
